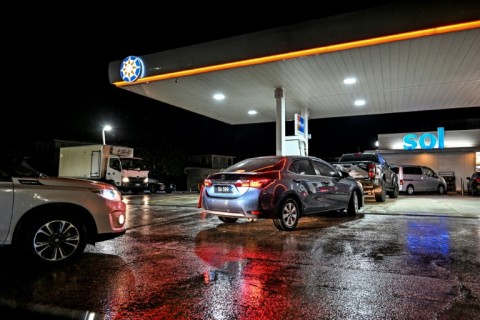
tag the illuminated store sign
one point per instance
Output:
(299, 125)
(425, 141)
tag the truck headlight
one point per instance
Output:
(125, 180)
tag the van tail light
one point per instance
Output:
(371, 170)
(253, 183)
(401, 182)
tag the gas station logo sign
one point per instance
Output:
(131, 69)
(425, 141)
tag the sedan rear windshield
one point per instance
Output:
(257, 165)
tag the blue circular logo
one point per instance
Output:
(131, 69)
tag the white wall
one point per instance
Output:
(462, 164)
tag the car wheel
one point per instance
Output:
(228, 220)
(55, 239)
(441, 189)
(153, 188)
(382, 195)
(394, 194)
(410, 190)
(352, 209)
(289, 213)
(474, 189)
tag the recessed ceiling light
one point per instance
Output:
(252, 112)
(360, 102)
(350, 80)
(218, 96)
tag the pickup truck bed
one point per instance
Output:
(373, 172)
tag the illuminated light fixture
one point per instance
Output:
(360, 102)
(309, 52)
(105, 128)
(219, 96)
(350, 80)
(252, 112)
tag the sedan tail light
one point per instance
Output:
(253, 182)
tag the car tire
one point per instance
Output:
(55, 239)
(394, 194)
(153, 188)
(289, 213)
(353, 205)
(228, 220)
(382, 195)
(441, 189)
(410, 190)
(474, 189)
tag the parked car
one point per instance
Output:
(473, 184)
(281, 188)
(415, 178)
(158, 184)
(51, 219)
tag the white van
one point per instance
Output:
(413, 179)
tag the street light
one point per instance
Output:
(106, 128)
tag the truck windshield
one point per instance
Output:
(133, 164)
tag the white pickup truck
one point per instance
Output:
(51, 220)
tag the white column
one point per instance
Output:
(305, 115)
(280, 121)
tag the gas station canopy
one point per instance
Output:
(403, 57)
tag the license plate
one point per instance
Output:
(223, 189)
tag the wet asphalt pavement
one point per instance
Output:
(408, 258)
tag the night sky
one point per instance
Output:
(60, 87)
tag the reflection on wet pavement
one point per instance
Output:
(175, 264)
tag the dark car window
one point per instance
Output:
(428, 172)
(412, 170)
(19, 169)
(325, 169)
(303, 166)
(359, 157)
(4, 176)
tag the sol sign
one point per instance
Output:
(425, 141)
